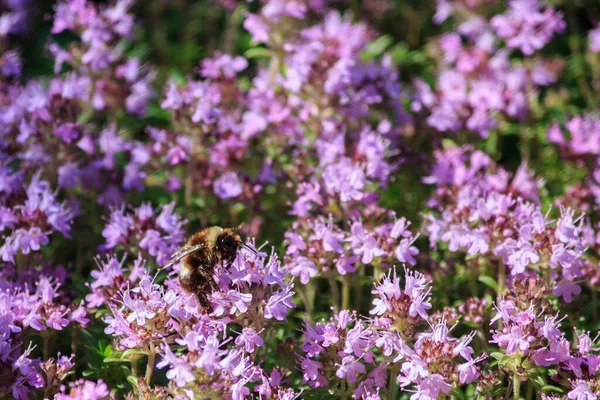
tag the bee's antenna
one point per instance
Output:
(250, 248)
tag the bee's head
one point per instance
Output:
(228, 244)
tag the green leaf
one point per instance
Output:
(154, 111)
(456, 392)
(177, 77)
(133, 381)
(550, 388)
(448, 143)
(115, 358)
(489, 282)
(497, 355)
(141, 51)
(539, 380)
(257, 52)
(133, 354)
(377, 47)
(400, 52)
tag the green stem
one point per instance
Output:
(345, 292)
(232, 29)
(310, 294)
(358, 286)
(21, 262)
(74, 337)
(517, 377)
(307, 304)
(273, 67)
(391, 385)
(594, 302)
(150, 366)
(45, 346)
(473, 281)
(508, 388)
(483, 339)
(501, 284)
(501, 278)
(516, 386)
(548, 277)
(529, 395)
(335, 292)
(344, 395)
(575, 47)
(134, 366)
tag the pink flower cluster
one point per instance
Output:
(477, 80)
(360, 355)
(481, 218)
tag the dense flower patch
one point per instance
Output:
(417, 187)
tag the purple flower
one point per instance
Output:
(249, 339)
(513, 340)
(160, 235)
(223, 65)
(257, 28)
(228, 186)
(239, 301)
(140, 311)
(239, 391)
(391, 296)
(310, 369)
(85, 390)
(279, 304)
(56, 320)
(581, 391)
(468, 372)
(566, 289)
(405, 252)
(433, 385)
(28, 368)
(594, 40)
(118, 228)
(521, 256)
(210, 356)
(304, 268)
(346, 179)
(349, 369)
(526, 26)
(369, 249)
(180, 371)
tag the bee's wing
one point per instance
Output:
(182, 252)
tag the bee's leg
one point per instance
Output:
(202, 297)
(206, 272)
(193, 280)
(202, 287)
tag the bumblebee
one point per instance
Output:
(201, 254)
